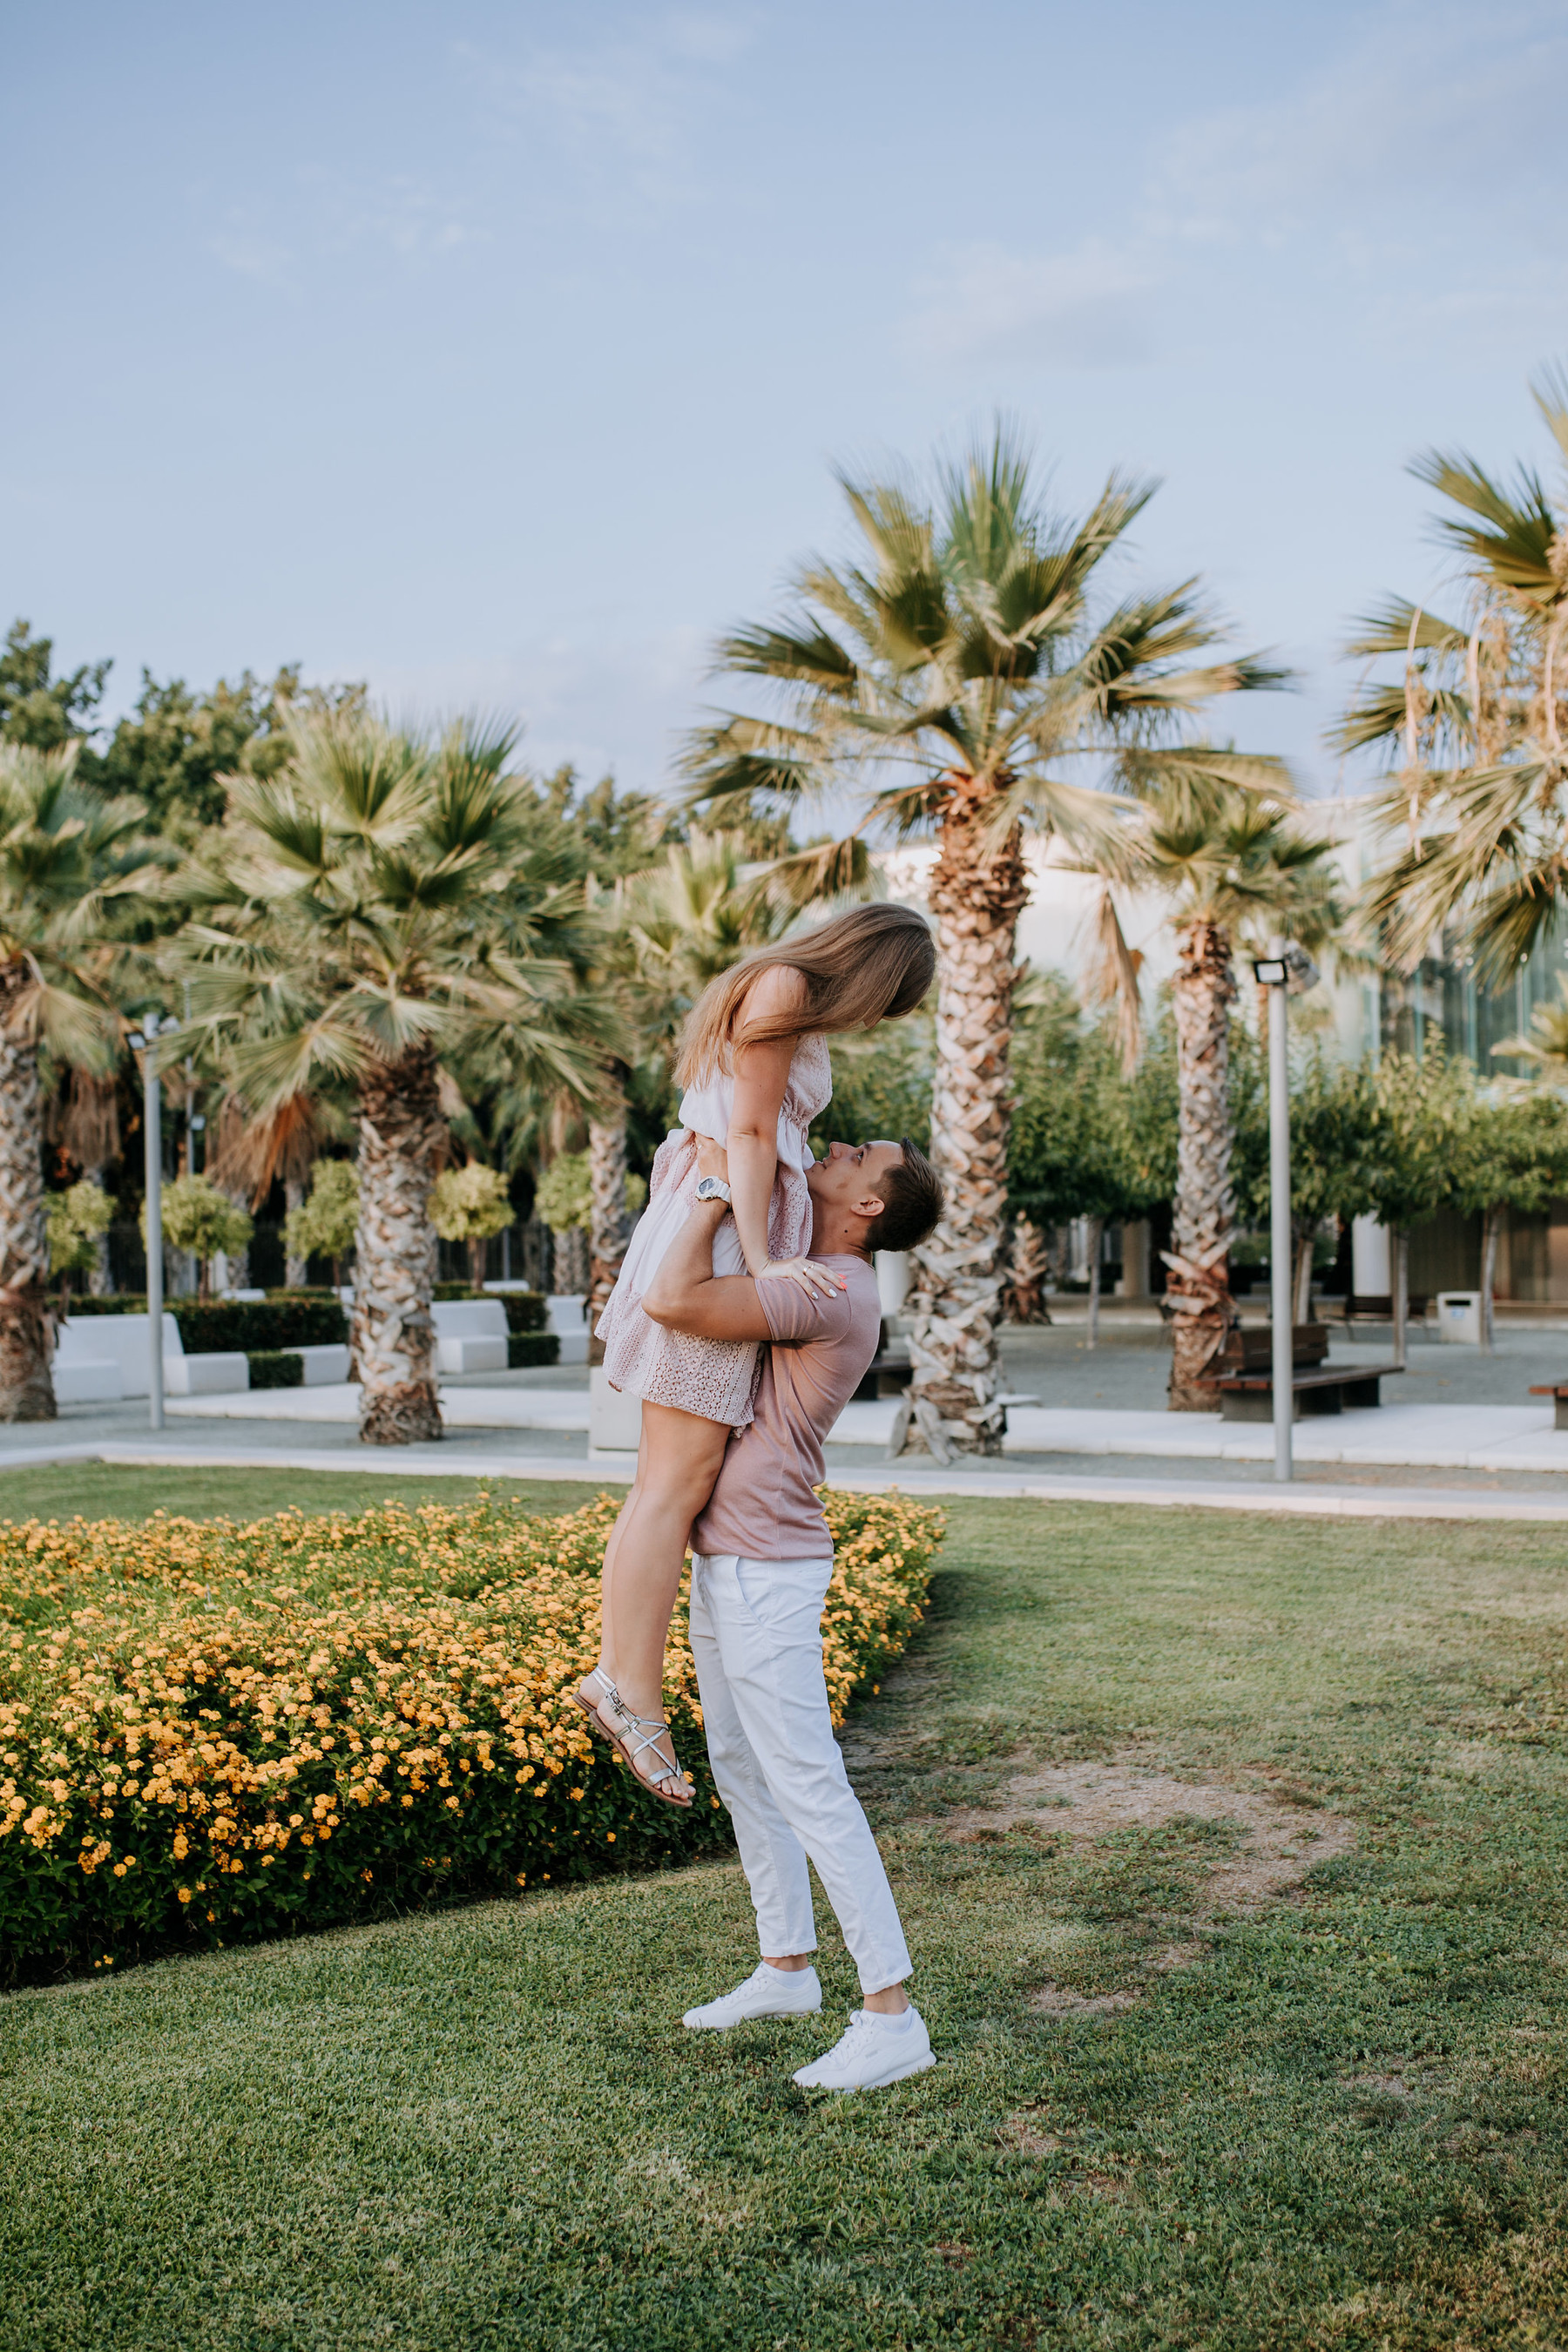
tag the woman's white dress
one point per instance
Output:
(714, 1378)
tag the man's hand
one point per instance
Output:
(712, 1159)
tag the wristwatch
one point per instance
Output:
(712, 1188)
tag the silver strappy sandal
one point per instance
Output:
(638, 1736)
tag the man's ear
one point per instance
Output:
(870, 1205)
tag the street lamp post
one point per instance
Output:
(153, 1121)
(1286, 972)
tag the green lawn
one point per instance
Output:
(1161, 2119)
(105, 1490)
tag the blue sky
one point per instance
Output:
(501, 355)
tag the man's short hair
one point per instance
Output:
(912, 1201)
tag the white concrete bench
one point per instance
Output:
(471, 1335)
(94, 1352)
(326, 1363)
(566, 1312)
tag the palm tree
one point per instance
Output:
(1477, 731)
(1226, 852)
(373, 906)
(969, 649)
(69, 859)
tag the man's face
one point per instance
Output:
(839, 1183)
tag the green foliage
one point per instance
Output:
(35, 709)
(176, 748)
(1422, 1110)
(469, 1203)
(1513, 1154)
(325, 1222)
(218, 1326)
(881, 1085)
(1334, 1143)
(564, 1196)
(276, 1367)
(526, 1348)
(199, 1218)
(77, 1219)
(1087, 1140)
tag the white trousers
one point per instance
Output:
(756, 1636)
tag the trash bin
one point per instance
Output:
(1460, 1317)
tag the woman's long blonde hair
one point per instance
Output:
(872, 964)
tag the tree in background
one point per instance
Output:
(1421, 1112)
(565, 1199)
(69, 863)
(1487, 831)
(40, 710)
(77, 1221)
(325, 1222)
(1512, 1157)
(86, 1122)
(200, 1218)
(469, 1205)
(1333, 1128)
(968, 645)
(1088, 1139)
(378, 901)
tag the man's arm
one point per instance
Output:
(687, 1295)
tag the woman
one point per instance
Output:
(756, 1073)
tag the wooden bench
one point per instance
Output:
(1559, 1390)
(1250, 1396)
(1371, 1307)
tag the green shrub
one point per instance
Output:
(210, 1326)
(526, 1348)
(119, 1302)
(276, 1367)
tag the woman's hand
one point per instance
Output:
(712, 1159)
(814, 1280)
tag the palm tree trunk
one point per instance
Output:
(611, 1227)
(1095, 1232)
(1492, 1229)
(26, 1388)
(1199, 1289)
(401, 1137)
(977, 892)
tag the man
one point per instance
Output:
(761, 1559)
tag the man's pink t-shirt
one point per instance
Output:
(763, 1505)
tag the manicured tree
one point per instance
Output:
(972, 643)
(376, 902)
(1512, 1155)
(1333, 1121)
(566, 1201)
(200, 1218)
(325, 1222)
(1088, 1140)
(69, 863)
(1421, 1112)
(469, 1205)
(78, 1219)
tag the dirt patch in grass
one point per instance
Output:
(1278, 1843)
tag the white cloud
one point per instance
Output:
(1083, 309)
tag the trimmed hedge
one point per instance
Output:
(527, 1348)
(211, 1326)
(276, 1367)
(215, 1733)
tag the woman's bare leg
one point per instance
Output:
(606, 1582)
(677, 1465)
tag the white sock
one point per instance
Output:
(890, 2024)
(785, 1976)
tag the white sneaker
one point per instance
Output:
(767, 1992)
(868, 2056)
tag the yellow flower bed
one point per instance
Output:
(215, 1732)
